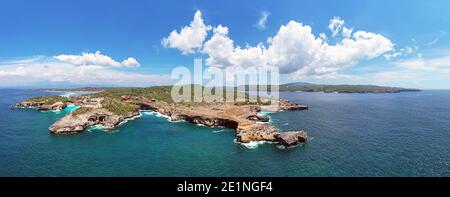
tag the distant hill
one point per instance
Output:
(307, 87)
(299, 84)
(310, 87)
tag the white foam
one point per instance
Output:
(68, 94)
(219, 131)
(265, 113)
(157, 114)
(287, 147)
(163, 116)
(252, 144)
(97, 127)
(128, 119)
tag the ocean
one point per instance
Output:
(404, 134)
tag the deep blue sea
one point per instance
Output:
(405, 134)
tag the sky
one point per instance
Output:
(67, 43)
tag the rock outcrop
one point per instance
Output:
(41, 105)
(291, 138)
(286, 105)
(245, 120)
(54, 106)
(256, 132)
(28, 104)
(72, 123)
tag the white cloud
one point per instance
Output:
(222, 52)
(407, 50)
(295, 49)
(46, 71)
(433, 64)
(401, 52)
(190, 37)
(336, 25)
(96, 59)
(347, 32)
(19, 71)
(415, 72)
(131, 62)
(392, 55)
(263, 20)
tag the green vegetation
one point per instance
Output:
(344, 88)
(163, 93)
(119, 107)
(160, 93)
(81, 110)
(48, 100)
(306, 87)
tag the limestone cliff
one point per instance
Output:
(110, 112)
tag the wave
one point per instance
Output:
(157, 114)
(265, 113)
(287, 147)
(220, 131)
(68, 94)
(253, 144)
(97, 127)
(128, 119)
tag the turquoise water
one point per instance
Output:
(404, 134)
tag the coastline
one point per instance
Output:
(249, 121)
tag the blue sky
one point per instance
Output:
(407, 42)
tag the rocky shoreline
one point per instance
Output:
(249, 125)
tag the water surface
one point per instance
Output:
(404, 134)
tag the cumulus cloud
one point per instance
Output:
(190, 37)
(130, 62)
(96, 59)
(263, 20)
(47, 71)
(295, 49)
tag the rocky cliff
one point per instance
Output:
(244, 119)
(76, 123)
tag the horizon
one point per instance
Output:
(50, 45)
(115, 86)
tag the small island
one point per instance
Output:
(111, 107)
